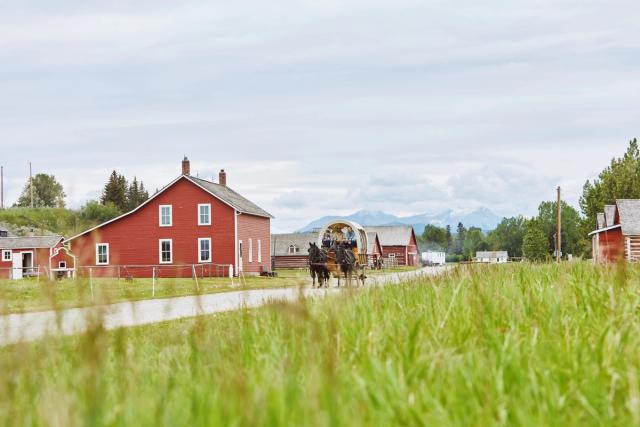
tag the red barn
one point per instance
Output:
(618, 232)
(190, 222)
(33, 256)
(399, 244)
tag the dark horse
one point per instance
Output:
(318, 265)
(347, 261)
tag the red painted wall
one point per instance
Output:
(40, 259)
(134, 239)
(257, 229)
(610, 246)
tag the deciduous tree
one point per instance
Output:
(47, 192)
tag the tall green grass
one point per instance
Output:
(503, 345)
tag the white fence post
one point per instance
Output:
(91, 282)
(153, 282)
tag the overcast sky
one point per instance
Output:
(322, 107)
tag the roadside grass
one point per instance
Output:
(515, 344)
(31, 295)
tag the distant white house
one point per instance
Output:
(434, 258)
(492, 257)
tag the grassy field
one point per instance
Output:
(484, 345)
(30, 295)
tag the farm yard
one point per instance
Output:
(516, 344)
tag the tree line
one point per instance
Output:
(535, 238)
(118, 196)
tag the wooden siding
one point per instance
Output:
(133, 239)
(608, 246)
(291, 261)
(257, 229)
(632, 248)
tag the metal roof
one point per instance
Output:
(392, 235)
(609, 215)
(371, 240)
(280, 243)
(221, 192)
(30, 242)
(629, 211)
(492, 254)
(230, 197)
(600, 221)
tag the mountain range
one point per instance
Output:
(482, 217)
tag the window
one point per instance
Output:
(259, 250)
(392, 256)
(293, 249)
(166, 219)
(204, 250)
(165, 247)
(62, 264)
(6, 255)
(250, 250)
(204, 214)
(102, 254)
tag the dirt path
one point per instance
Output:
(33, 326)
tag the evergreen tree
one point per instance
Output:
(449, 238)
(133, 194)
(115, 191)
(460, 236)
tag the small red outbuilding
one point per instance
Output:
(617, 236)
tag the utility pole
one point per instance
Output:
(31, 184)
(558, 229)
(1, 187)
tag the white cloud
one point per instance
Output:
(323, 107)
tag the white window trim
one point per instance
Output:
(170, 215)
(259, 250)
(251, 250)
(4, 257)
(200, 250)
(62, 262)
(98, 254)
(160, 251)
(199, 216)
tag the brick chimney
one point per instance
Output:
(186, 166)
(222, 178)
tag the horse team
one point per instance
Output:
(337, 261)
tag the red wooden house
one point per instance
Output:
(618, 232)
(399, 244)
(191, 225)
(32, 256)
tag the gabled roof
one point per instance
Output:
(609, 215)
(393, 235)
(223, 193)
(629, 211)
(372, 240)
(492, 254)
(280, 243)
(30, 242)
(230, 197)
